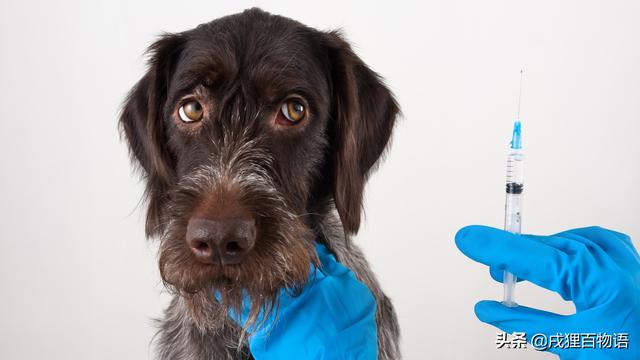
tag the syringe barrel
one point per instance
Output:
(513, 212)
(514, 190)
(515, 171)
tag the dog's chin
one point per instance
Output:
(261, 277)
(257, 274)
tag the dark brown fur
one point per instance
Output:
(291, 179)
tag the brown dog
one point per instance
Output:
(255, 135)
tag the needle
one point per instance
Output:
(520, 94)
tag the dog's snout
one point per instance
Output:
(224, 241)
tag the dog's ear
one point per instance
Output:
(363, 115)
(142, 124)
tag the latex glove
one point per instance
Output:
(333, 318)
(597, 269)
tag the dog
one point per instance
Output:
(255, 136)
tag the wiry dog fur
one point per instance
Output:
(301, 183)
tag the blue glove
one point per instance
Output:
(597, 269)
(333, 318)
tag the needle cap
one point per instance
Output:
(516, 139)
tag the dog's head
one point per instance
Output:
(244, 128)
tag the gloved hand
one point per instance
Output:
(333, 318)
(597, 269)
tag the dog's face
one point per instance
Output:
(246, 129)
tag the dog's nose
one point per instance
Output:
(225, 241)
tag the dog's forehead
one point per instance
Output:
(274, 53)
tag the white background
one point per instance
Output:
(77, 278)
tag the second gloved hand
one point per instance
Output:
(333, 318)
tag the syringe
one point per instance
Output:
(513, 201)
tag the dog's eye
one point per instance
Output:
(190, 111)
(293, 111)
